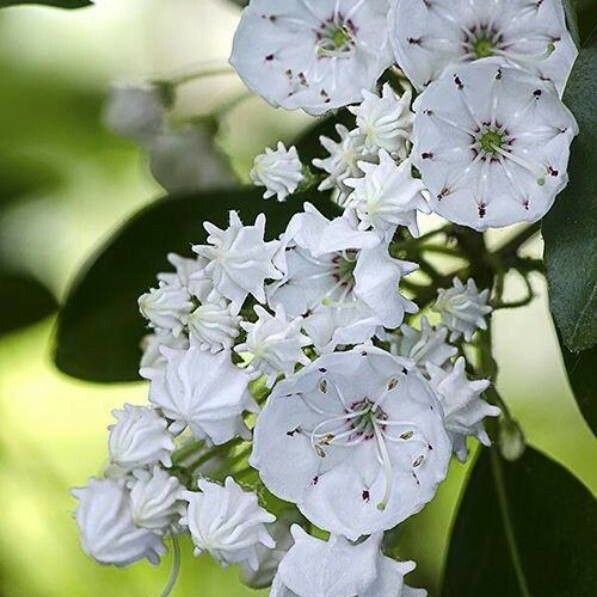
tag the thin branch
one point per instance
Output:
(175, 568)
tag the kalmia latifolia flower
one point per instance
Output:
(431, 37)
(357, 424)
(492, 145)
(213, 326)
(279, 171)
(317, 56)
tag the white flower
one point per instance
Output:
(108, 532)
(388, 196)
(341, 280)
(463, 308)
(135, 111)
(430, 37)
(239, 259)
(354, 424)
(275, 343)
(339, 568)
(385, 122)
(152, 343)
(427, 345)
(139, 438)
(213, 326)
(464, 410)
(342, 162)
(203, 391)
(317, 56)
(227, 522)
(166, 307)
(189, 274)
(156, 499)
(492, 145)
(280, 171)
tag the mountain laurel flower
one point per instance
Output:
(152, 344)
(108, 532)
(166, 307)
(492, 145)
(339, 568)
(227, 522)
(203, 391)
(140, 437)
(188, 274)
(240, 260)
(464, 409)
(213, 326)
(385, 122)
(387, 196)
(275, 344)
(427, 345)
(357, 424)
(317, 56)
(156, 499)
(279, 171)
(462, 308)
(432, 37)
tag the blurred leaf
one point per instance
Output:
(99, 328)
(241, 3)
(586, 17)
(569, 228)
(56, 3)
(572, 20)
(23, 301)
(535, 505)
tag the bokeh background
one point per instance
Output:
(77, 182)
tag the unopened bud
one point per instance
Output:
(511, 440)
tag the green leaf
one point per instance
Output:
(56, 3)
(523, 528)
(569, 228)
(99, 328)
(23, 301)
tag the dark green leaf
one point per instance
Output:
(22, 176)
(549, 517)
(569, 228)
(99, 328)
(56, 3)
(23, 301)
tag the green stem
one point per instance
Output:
(175, 568)
(509, 250)
(183, 453)
(184, 78)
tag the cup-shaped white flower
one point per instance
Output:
(432, 36)
(464, 409)
(239, 259)
(275, 344)
(387, 196)
(425, 345)
(156, 499)
(463, 308)
(213, 326)
(139, 438)
(492, 145)
(385, 122)
(108, 532)
(317, 56)
(279, 171)
(339, 568)
(355, 424)
(227, 522)
(203, 391)
(166, 307)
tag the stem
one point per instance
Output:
(509, 250)
(175, 568)
(183, 453)
(214, 452)
(188, 77)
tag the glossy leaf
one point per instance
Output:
(56, 3)
(523, 528)
(569, 228)
(100, 328)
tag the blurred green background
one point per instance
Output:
(77, 182)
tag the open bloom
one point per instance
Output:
(280, 172)
(464, 409)
(356, 424)
(227, 522)
(239, 260)
(432, 36)
(339, 568)
(463, 308)
(387, 196)
(317, 56)
(203, 391)
(108, 532)
(492, 145)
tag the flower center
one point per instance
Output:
(492, 140)
(343, 266)
(481, 41)
(335, 37)
(483, 47)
